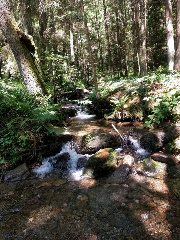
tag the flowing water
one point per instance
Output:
(73, 173)
(85, 123)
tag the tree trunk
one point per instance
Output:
(108, 40)
(170, 35)
(119, 57)
(23, 49)
(177, 55)
(90, 51)
(0, 68)
(27, 16)
(135, 32)
(71, 39)
(142, 54)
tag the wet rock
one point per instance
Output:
(17, 174)
(150, 141)
(164, 158)
(68, 111)
(61, 161)
(155, 169)
(158, 140)
(81, 162)
(101, 163)
(120, 174)
(92, 143)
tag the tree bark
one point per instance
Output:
(170, 34)
(71, 39)
(90, 50)
(177, 55)
(142, 53)
(27, 16)
(108, 39)
(118, 31)
(136, 38)
(23, 49)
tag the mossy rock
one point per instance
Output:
(101, 163)
(91, 143)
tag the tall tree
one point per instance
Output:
(135, 33)
(109, 54)
(90, 50)
(170, 34)
(156, 34)
(142, 54)
(177, 55)
(23, 49)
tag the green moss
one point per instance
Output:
(101, 163)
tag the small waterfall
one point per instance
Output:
(73, 174)
(136, 145)
(83, 115)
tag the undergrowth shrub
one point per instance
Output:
(165, 110)
(22, 120)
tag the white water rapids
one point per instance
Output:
(74, 174)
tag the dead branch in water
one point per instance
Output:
(119, 134)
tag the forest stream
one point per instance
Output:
(130, 203)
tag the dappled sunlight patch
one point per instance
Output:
(152, 205)
(154, 223)
(87, 183)
(39, 217)
(151, 184)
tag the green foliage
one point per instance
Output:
(22, 117)
(154, 97)
(60, 71)
(166, 109)
(87, 138)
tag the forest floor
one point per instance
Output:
(137, 207)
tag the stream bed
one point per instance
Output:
(67, 207)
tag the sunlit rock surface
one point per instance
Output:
(101, 163)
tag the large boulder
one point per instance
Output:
(158, 140)
(150, 141)
(68, 111)
(91, 143)
(101, 163)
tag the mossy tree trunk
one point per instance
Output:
(23, 49)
